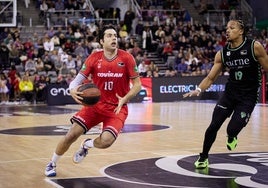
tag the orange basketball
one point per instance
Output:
(91, 94)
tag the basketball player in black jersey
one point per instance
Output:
(244, 58)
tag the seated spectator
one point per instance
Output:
(195, 68)
(153, 67)
(79, 62)
(149, 74)
(28, 44)
(79, 49)
(40, 87)
(56, 40)
(206, 67)
(51, 6)
(62, 40)
(92, 27)
(217, 46)
(142, 68)
(178, 59)
(182, 68)
(31, 53)
(35, 39)
(160, 33)
(146, 59)
(64, 71)
(123, 32)
(70, 64)
(48, 64)
(59, 6)
(78, 34)
(30, 66)
(48, 44)
(58, 66)
(69, 78)
(69, 46)
(167, 51)
(170, 72)
(39, 64)
(26, 88)
(139, 58)
(54, 57)
(155, 74)
(36, 53)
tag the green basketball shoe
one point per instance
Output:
(201, 163)
(231, 143)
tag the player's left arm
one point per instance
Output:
(261, 55)
(135, 89)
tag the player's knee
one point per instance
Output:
(235, 128)
(106, 143)
(106, 140)
(239, 120)
(220, 114)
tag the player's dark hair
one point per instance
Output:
(103, 29)
(242, 26)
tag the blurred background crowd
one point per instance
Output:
(163, 38)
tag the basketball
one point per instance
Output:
(91, 94)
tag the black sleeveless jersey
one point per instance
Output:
(244, 69)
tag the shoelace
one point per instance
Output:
(83, 152)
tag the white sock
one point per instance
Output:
(55, 157)
(89, 144)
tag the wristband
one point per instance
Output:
(199, 89)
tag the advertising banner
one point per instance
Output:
(169, 89)
(164, 89)
(58, 94)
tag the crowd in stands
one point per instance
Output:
(186, 48)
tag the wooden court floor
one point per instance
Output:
(156, 148)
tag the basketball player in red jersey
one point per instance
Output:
(112, 70)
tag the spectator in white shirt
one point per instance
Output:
(142, 68)
(48, 45)
(64, 57)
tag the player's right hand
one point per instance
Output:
(76, 94)
(192, 94)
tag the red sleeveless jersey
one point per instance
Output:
(111, 76)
